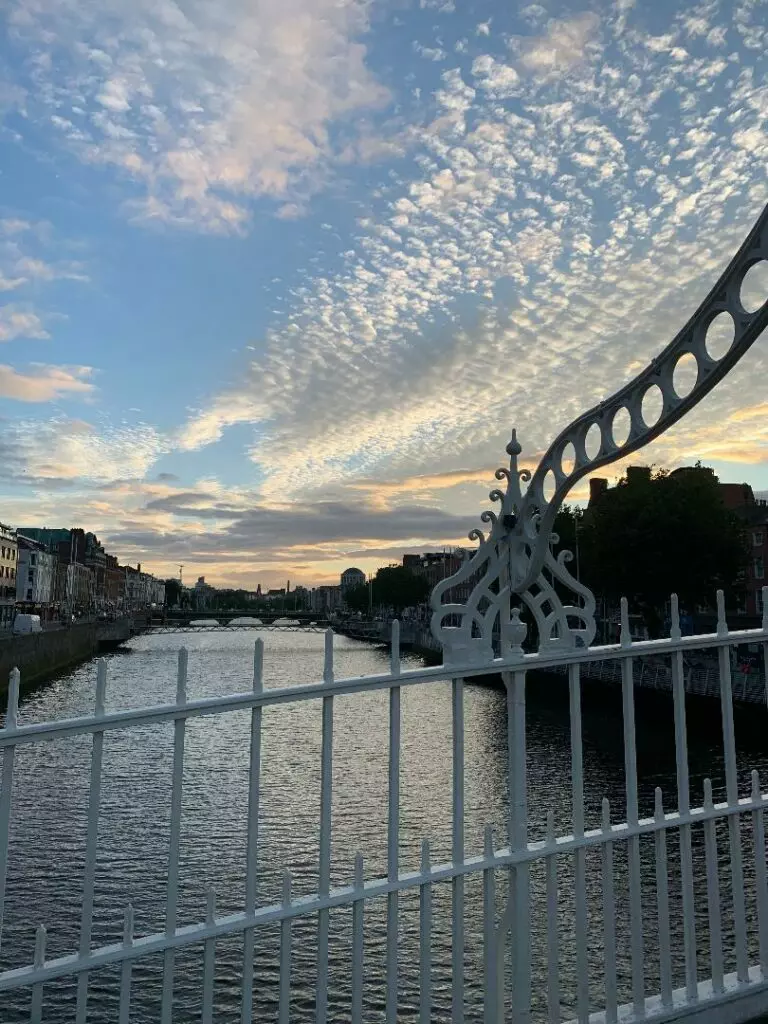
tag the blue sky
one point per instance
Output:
(278, 277)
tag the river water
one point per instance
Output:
(47, 848)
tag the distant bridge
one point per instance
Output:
(234, 627)
(225, 617)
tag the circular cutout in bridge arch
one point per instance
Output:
(685, 375)
(754, 287)
(568, 459)
(720, 335)
(549, 486)
(593, 441)
(620, 426)
(653, 403)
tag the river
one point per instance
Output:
(47, 847)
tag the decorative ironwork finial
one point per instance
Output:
(476, 612)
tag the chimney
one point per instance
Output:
(597, 487)
(138, 567)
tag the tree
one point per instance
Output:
(658, 534)
(357, 598)
(172, 592)
(397, 587)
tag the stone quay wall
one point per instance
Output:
(38, 656)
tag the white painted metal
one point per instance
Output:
(209, 960)
(510, 926)
(324, 862)
(357, 942)
(393, 841)
(457, 854)
(580, 864)
(175, 836)
(86, 914)
(714, 907)
(553, 918)
(36, 1008)
(125, 970)
(425, 935)
(662, 903)
(633, 853)
(490, 982)
(761, 876)
(609, 916)
(252, 842)
(284, 1010)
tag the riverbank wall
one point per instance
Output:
(38, 656)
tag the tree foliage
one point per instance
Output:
(397, 587)
(656, 535)
(172, 592)
(357, 598)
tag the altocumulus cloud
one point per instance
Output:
(555, 232)
(173, 97)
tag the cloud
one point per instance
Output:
(17, 323)
(69, 449)
(555, 232)
(45, 383)
(39, 270)
(564, 44)
(204, 106)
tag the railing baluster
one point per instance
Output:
(252, 841)
(126, 969)
(490, 983)
(684, 806)
(662, 903)
(209, 959)
(630, 773)
(9, 754)
(457, 854)
(36, 1007)
(326, 802)
(91, 845)
(393, 842)
(520, 873)
(179, 727)
(761, 877)
(732, 796)
(609, 918)
(713, 893)
(425, 938)
(580, 866)
(358, 908)
(553, 925)
(284, 1013)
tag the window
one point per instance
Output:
(29, 594)
(757, 538)
(758, 570)
(31, 576)
(32, 559)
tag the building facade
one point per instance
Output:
(9, 556)
(326, 600)
(35, 577)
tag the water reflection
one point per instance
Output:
(50, 806)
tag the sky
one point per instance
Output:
(279, 277)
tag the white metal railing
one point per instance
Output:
(509, 925)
